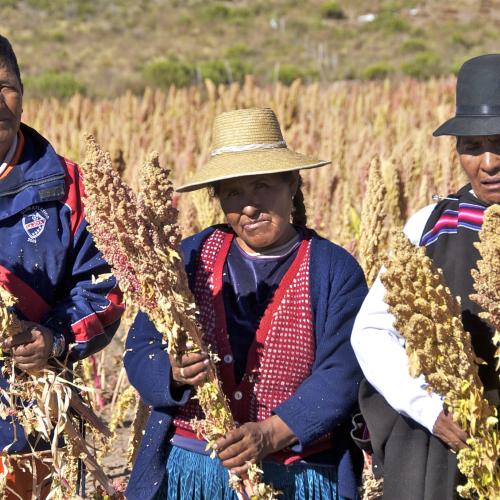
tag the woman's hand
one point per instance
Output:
(190, 368)
(252, 442)
(449, 431)
(32, 347)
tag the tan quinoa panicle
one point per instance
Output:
(429, 318)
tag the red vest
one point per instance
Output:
(282, 353)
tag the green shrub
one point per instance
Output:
(457, 64)
(41, 4)
(218, 11)
(54, 84)
(237, 51)
(224, 71)
(86, 8)
(241, 13)
(424, 65)
(389, 22)
(217, 71)
(239, 69)
(79, 8)
(377, 71)
(166, 72)
(332, 10)
(56, 35)
(461, 40)
(393, 6)
(184, 20)
(215, 11)
(263, 7)
(414, 45)
(288, 73)
(418, 32)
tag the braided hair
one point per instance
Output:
(299, 216)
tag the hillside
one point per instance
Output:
(102, 47)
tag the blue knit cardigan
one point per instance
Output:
(323, 403)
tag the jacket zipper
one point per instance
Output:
(32, 183)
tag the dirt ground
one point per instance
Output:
(115, 464)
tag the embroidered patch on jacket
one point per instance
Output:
(468, 216)
(52, 193)
(34, 221)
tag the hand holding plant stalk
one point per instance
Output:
(50, 416)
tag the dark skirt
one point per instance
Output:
(415, 464)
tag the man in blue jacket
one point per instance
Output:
(48, 259)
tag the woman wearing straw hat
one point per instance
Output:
(414, 437)
(276, 303)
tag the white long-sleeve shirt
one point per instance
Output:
(380, 348)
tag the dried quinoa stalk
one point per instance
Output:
(52, 396)
(429, 318)
(373, 234)
(487, 275)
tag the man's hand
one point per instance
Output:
(252, 442)
(449, 431)
(32, 347)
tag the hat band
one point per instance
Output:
(478, 109)
(247, 147)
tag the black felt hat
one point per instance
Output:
(478, 99)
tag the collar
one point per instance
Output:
(467, 195)
(9, 156)
(39, 175)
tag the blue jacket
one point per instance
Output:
(48, 258)
(323, 403)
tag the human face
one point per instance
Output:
(11, 107)
(480, 158)
(258, 209)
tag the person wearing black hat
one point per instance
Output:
(414, 438)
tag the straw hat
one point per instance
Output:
(248, 142)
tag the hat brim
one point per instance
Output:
(469, 125)
(246, 163)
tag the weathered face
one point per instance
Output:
(258, 209)
(11, 107)
(480, 158)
